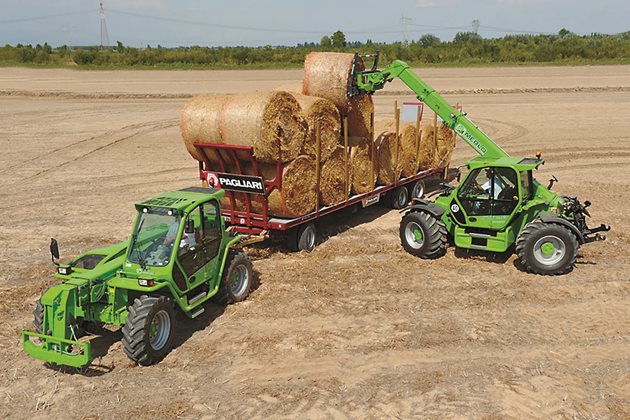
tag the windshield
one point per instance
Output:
(152, 241)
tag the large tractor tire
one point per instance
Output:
(547, 248)
(238, 279)
(423, 235)
(38, 316)
(148, 330)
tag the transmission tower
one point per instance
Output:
(104, 36)
(404, 27)
(475, 25)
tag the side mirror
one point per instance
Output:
(54, 250)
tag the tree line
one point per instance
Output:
(465, 48)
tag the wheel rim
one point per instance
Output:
(414, 235)
(549, 250)
(159, 330)
(418, 190)
(310, 238)
(402, 197)
(239, 280)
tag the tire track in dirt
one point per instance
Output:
(137, 129)
(79, 142)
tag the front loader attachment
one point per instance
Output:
(57, 350)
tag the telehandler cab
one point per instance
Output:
(178, 257)
(497, 205)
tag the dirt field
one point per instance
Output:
(357, 328)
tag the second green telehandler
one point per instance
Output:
(497, 206)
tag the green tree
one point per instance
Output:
(564, 32)
(338, 40)
(325, 42)
(429, 40)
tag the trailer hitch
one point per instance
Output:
(588, 232)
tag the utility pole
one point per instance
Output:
(475, 25)
(404, 27)
(104, 36)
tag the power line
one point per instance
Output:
(29, 19)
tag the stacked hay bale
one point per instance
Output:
(361, 169)
(271, 122)
(323, 113)
(334, 187)
(408, 145)
(387, 158)
(444, 146)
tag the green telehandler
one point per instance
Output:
(179, 256)
(499, 204)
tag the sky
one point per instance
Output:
(172, 23)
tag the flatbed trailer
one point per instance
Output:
(235, 169)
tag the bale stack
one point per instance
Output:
(271, 122)
(327, 75)
(387, 158)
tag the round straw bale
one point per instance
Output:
(199, 122)
(388, 158)
(333, 178)
(408, 140)
(297, 196)
(444, 147)
(361, 168)
(360, 111)
(270, 121)
(427, 147)
(326, 74)
(322, 112)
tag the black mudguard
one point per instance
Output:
(424, 205)
(551, 218)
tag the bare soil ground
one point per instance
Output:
(357, 328)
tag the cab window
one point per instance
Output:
(489, 191)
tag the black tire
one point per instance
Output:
(38, 316)
(307, 238)
(302, 238)
(141, 343)
(559, 257)
(417, 190)
(399, 198)
(238, 278)
(423, 235)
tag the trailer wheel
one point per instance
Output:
(417, 191)
(148, 330)
(399, 198)
(423, 235)
(547, 248)
(238, 278)
(302, 238)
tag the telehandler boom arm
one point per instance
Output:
(372, 80)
